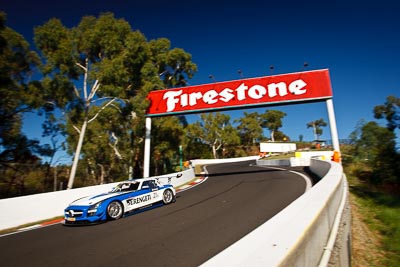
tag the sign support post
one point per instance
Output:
(332, 124)
(146, 163)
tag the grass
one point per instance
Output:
(381, 213)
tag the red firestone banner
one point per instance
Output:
(247, 93)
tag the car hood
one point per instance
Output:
(90, 200)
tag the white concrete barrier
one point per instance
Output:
(33, 208)
(216, 161)
(299, 234)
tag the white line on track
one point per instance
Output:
(305, 177)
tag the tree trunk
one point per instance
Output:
(315, 132)
(101, 173)
(77, 153)
(55, 182)
(214, 150)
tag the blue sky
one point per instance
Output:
(358, 41)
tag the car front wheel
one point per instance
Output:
(168, 197)
(115, 210)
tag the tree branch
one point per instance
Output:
(97, 114)
(115, 146)
(76, 91)
(95, 87)
(104, 98)
(77, 129)
(81, 66)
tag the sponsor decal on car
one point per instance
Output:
(138, 200)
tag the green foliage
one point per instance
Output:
(381, 211)
(167, 137)
(216, 131)
(16, 65)
(117, 67)
(316, 125)
(280, 136)
(250, 129)
(20, 165)
(374, 146)
(272, 120)
(390, 111)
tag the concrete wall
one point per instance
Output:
(216, 161)
(33, 208)
(300, 235)
(300, 159)
(277, 147)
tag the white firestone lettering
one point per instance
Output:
(241, 94)
(226, 95)
(193, 98)
(256, 91)
(210, 97)
(297, 87)
(184, 100)
(171, 99)
(272, 89)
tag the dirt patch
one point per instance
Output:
(366, 243)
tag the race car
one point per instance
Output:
(125, 198)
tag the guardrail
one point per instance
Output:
(305, 233)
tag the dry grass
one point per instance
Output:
(366, 243)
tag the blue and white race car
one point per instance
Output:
(125, 198)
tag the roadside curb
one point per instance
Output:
(192, 184)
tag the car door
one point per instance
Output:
(156, 194)
(156, 191)
(142, 197)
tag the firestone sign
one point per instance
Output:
(246, 93)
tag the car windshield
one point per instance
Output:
(124, 187)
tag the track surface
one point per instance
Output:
(234, 200)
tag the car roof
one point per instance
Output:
(139, 180)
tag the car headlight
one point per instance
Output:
(93, 209)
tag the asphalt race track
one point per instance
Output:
(235, 199)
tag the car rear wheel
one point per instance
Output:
(115, 210)
(168, 197)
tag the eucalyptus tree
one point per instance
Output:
(390, 110)
(272, 120)
(278, 135)
(168, 144)
(375, 146)
(214, 130)
(18, 154)
(17, 63)
(250, 128)
(316, 126)
(103, 64)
